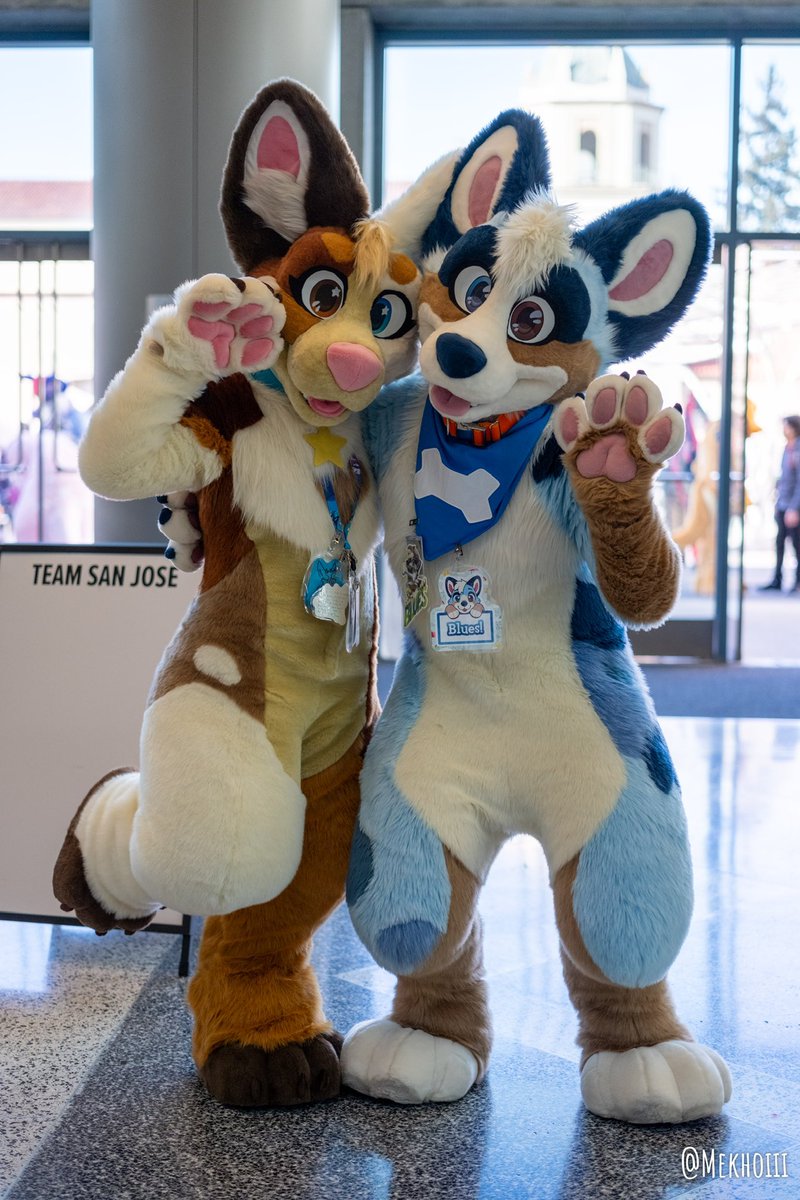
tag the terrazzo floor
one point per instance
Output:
(99, 1100)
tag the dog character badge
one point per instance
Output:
(466, 618)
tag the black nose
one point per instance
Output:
(458, 356)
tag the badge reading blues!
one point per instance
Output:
(466, 619)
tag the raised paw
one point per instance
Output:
(669, 1083)
(179, 522)
(249, 1077)
(232, 324)
(619, 426)
(390, 1062)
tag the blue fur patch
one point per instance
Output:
(385, 422)
(555, 491)
(361, 865)
(592, 622)
(633, 889)
(548, 463)
(658, 761)
(529, 169)
(398, 888)
(618, 694)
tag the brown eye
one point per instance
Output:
(323, 293)
(531, 320)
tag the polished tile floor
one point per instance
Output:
(98, 1098)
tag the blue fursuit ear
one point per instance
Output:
(653, 254)
(507, 159)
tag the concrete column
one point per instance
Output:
(170, 83)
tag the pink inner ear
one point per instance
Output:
(650, 270)
(482, 189)
(278, 149)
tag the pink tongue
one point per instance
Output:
(325, 408)
(448, 404)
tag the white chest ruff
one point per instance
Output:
(274, 480)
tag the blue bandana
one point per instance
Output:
(462, 490)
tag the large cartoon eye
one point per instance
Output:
(322, 292)
(531, 320)
(471, 288)
(391, 315)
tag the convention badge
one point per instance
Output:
(415, 587)
(466, 619)
(326, 589)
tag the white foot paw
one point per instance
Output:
(651, 1085)
(390, 1062)
(230, 325)
(619, 421)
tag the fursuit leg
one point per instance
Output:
(639, 1063)
(261, 1037)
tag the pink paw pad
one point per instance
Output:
(218, 333)
(609, 458)
(636, 405)
(604, 406)
(256, 350)
(658, 435)
(569, 426)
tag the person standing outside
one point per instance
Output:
(787, 505)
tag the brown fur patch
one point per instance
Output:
(335, 194)
(255, 984)
(437, 296)
(310, 252)
(401, 269)
(447, 995)
(638, 564)
(226, 542)
(609, 1017)
(232, 615)
(579, 359)
(209, 437)
(340, 247)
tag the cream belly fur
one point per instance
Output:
(517, 721)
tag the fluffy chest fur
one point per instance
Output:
(275, 482)
(525, 554)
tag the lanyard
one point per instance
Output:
(342, 531)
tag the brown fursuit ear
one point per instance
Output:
(272, 194)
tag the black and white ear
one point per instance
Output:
(653, 254)
(288, 169)
(480, 182)
(499, 167)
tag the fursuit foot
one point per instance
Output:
(249, 1077)
(101, 908)
(669, 1083)
(390, 1062)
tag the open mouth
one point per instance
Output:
(448, 404)
(325, 408)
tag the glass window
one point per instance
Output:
(619, 94)
(46, 148)
(769, 149)
(46, 292)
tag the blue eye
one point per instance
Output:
(471, 288)
(390, 315)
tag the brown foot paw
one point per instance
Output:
(72, 890)
(249, 1077)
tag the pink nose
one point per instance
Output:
(353, 367)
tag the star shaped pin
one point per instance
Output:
(327, 447)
